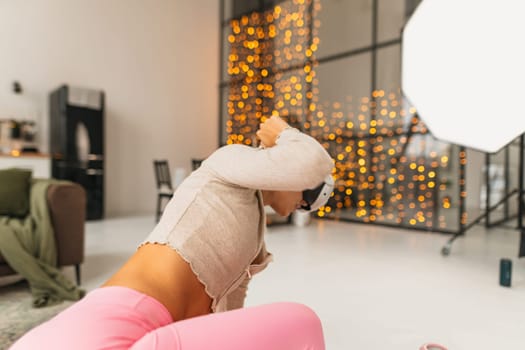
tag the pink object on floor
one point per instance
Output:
(432, 346)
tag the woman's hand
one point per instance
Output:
(270, 130)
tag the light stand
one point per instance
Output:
(445, 251)
(460, 73)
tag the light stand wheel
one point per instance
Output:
(445, 251)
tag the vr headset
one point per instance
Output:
(318, 196)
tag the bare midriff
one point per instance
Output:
(160, 272)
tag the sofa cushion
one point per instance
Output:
(15, 185)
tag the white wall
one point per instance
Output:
(156, 60)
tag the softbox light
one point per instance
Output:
(463, 69)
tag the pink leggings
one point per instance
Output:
(122, 318)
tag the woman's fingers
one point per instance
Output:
(270, 130)
(267, 137)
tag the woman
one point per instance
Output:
(200, 257)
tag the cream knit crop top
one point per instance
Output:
(216, 219)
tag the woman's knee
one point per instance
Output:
(300, 311)
(306, 322)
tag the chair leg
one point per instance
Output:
(77, 273)
(157, 213)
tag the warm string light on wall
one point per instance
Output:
(269, 68)
(380, 174)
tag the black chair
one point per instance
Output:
(196, 163)
(164, 187)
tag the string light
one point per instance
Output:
(381, 174)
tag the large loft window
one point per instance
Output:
(332, 69)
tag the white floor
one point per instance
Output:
(374, 288)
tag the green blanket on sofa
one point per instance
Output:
(28, 246)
